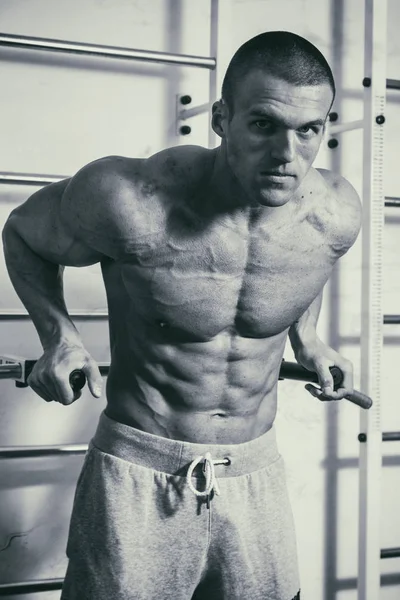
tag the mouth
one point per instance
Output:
(277, 174)
(276, 178)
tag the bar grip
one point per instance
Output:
(292, 370)
(77, 380)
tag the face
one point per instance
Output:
(273, 136)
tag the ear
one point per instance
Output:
(219, 117)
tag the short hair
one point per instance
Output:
(282, 54)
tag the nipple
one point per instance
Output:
(162, 324)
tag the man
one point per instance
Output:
(210, 259)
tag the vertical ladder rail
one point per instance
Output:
(371, 307)
(221, 48)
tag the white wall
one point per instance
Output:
(58, 113)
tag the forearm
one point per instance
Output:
(304, 331)
(39, 285)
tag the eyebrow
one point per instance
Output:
(260, 113)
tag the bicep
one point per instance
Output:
(39, 223)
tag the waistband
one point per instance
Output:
(174, 456)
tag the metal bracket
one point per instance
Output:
(183, 114)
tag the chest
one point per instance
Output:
(203, 282)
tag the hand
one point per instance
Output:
(318, 357)
(50, 375)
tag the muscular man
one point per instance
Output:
(210, 259)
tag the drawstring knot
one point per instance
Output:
(209, 474)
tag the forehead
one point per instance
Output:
(262, 92)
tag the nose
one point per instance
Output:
(284, 149)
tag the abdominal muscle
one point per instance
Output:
(220, 391)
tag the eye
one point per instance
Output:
(263, 124)
(308, 131)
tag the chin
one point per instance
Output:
(274, 197)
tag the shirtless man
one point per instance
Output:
(210, 259)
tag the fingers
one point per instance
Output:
(94, 378)
(53, 387)
(327, 391)
(50, 377)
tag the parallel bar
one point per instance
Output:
(34, 43)
(390, 552)
(393, 84)
(391, 319)
(30, 587)
(10, 371)
(35, 451)
(78, 314)
(392, 201)
(391, 436)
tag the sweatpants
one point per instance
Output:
(161, 519)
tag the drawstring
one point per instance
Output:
(209, 473)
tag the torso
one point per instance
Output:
(200, 307)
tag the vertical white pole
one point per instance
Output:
(221, 49)
(372, 312)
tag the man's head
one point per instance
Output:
(276, 95)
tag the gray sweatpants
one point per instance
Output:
(141, 530)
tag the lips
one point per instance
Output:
(276, 174)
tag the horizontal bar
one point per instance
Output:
(188, 113)
(292, 370)
(81, 314)
(391, 436)
(34, 451)
(12, 371)
(390, 552)
(18, 41)
(30, 587)
(340, 128)
(391, 319)
(392, 201)
(393, 84)
(30, 179)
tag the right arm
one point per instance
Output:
(60, 225)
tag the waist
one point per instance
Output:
(173, 456)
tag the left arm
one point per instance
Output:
(309, 350)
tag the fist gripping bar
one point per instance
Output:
(19, 369)
(292, 370)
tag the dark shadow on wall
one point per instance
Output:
(331, 431)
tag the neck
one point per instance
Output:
(225, 189)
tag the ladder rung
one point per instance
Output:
(392, 201)
(391, 319)
(393, 84)
(391, 436)
(390, 552)
(29, 587)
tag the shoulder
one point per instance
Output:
(180, 167)
(100, 202)
(120, 199)
(342, 210)
(166, 171)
